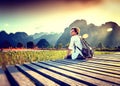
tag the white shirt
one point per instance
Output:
(75, 41)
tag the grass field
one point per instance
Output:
(20, 57)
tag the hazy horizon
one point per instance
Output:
(54, 16)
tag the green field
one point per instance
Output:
(20, 57)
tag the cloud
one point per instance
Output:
(11, 4)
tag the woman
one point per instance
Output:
(73, 52)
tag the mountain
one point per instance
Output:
(14, 39)
(43, 43)
(112, 39)
(97, 34)
(38, 35)
(11, 40)
(50, 37)
(3, 39)
(64, 38)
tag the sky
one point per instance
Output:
(35, 16)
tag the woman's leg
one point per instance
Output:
(80, 57)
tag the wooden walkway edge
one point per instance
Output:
(99, 71)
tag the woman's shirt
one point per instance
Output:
(75, 41)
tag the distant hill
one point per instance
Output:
(64, 38)
(38, 35)
(97, 34)
(13, 39)
(43, 43)
(22, 37)
(50, 37)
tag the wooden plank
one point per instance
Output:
(3, 79)
(110, 67)
(117, 65)
(106, 59)
(92, 69)
(41, 79)
(106, 63)
(116, 73)
(117, 55)
(21, 79)
(81, 67)
(101, 66)
(75, 75)
(90, 74)
(57, 76)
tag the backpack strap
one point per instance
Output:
(77, 46)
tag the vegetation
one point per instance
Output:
(20, 45)
(30, 44)
(20, 57)
(43, 43)
(103, 52)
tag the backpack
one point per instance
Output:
(87, 50)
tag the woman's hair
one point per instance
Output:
(76, 29)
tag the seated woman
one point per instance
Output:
(73, 52)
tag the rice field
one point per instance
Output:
(20, 57)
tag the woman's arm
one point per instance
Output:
(69, 52)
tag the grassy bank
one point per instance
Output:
(103, 52)
(20, 57)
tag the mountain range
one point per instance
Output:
(96, 35)
(7, 40)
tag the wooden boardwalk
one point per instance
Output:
(99, 71)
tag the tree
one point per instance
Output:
(100, 45)
(30, 44)
(119, 47)
(67, 45)
(60, 45)
(43, 43)
(6, 44)
(19, 45)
